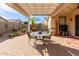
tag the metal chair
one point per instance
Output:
(28, 33)
(49, 35)
(30, 37)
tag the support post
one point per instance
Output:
(29, 24)
(49, 23)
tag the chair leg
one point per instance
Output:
(28, 41)
(45, 46)
(35, 43)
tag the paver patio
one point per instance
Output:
(67, 41)
(17, 46)
(59, 46)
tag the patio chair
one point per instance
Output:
(30, 37)
(28, 33)
(49, 35)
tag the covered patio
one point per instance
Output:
(36, 9)
(18, 46)
(62, 16)
(61, 23)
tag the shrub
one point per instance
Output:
(14, 30)
(23, 26)
(23, 30)
(26, 22)
(15, 34)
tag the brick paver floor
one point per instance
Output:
(66, 41)
(58, 46)
(17, 46)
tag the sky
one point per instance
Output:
(9, 13)
(40, 19)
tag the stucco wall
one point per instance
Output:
(71, 23)
(13, 25)
(2, 27)
(10, 26)
(53, 25)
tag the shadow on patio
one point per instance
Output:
(55, 49)
(5, 37)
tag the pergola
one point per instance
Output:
(49, 9)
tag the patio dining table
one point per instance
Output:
(40, 35)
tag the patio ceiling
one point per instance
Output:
(66, 9)
(51, 9)
(35, 8)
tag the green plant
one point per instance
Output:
(23, 30)
(39, 27)
(23, 26)
(26, 22)
(14, 30)
(14, 34)
(33, 21)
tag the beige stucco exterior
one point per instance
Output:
(2, 25)
(70, 10)
(70, 23)
(14, 25)
(7, 26)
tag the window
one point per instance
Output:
(62, 20)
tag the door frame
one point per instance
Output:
(76, 25)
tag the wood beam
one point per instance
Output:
(53, 14)
(18, 8)
(41, 14)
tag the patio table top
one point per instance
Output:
(37, 33)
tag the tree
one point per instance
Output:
(26, 22)
(33, 20)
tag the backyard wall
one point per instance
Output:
(7, 26)
(2, 27)
(13, 25)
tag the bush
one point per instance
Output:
(14, 30)
(23, 30)
(26, 22)
(23, 26)
(15, 34)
